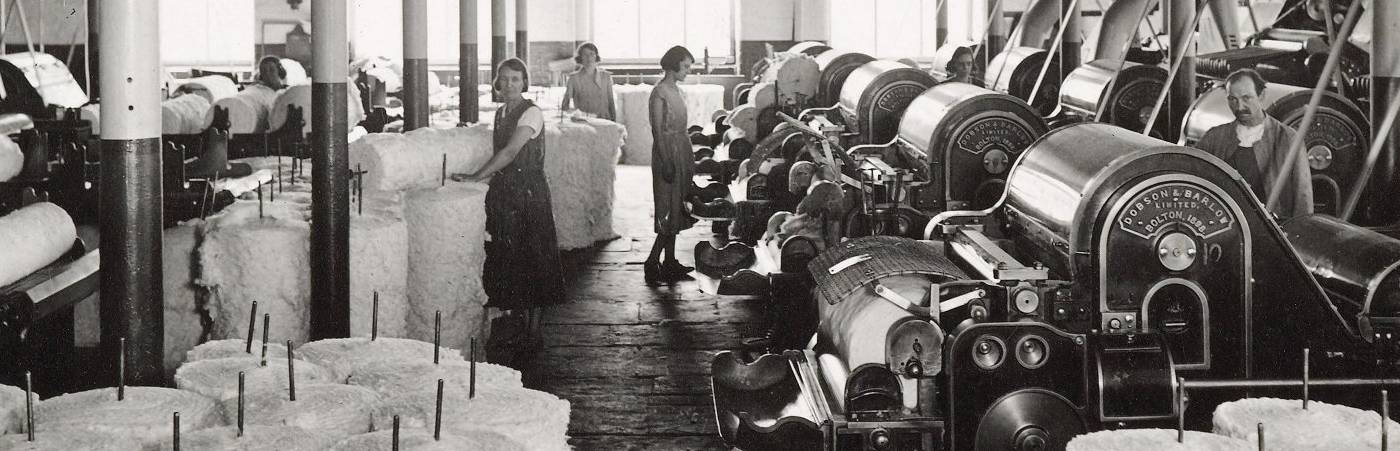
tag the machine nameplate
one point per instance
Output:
(1175, 203)
(1330, 131)
(994, 133)
(897, 98)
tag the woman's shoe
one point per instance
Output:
(652, 272)
(675, 270)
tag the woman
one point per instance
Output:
(271, 73)
(523, 271)
(960, 66)
(671, 166)
(591, 86)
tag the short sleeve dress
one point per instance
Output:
(523, 268)
(672, 142)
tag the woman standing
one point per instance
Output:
(523, 271)
(671, 166)
(591, 86)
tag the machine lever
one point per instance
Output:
(847, 263)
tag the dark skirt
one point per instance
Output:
(523, 268)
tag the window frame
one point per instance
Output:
(731, 60)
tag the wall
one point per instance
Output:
(765, 22)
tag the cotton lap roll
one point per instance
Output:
(580, 166)
(234, 348)
(392, 377)
(1155, 440)
(218, 378)
(796, 76)
(1287, 426)
(248, 111)
(378, 264)
(335, 409)
(298, 96)
(296, 73)
(246, 258)
(255, 438)
(446, 254)
(763, 95)
(745, 118)
(12, 409)
(183, 115)
(346, 355)
(143, 415)
(538, 420)
(183, 312)
(69, 440)
(32, 237)
(393, 161)
(211, 87)
(11, 159)
(423, 440)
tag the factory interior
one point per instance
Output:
(825, 225)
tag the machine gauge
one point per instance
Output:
(1027, 301)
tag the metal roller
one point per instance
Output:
(1120, 24)
(1014, 71)
(1129, 105)
(1037, 26)
(1336, 143)
(809, 48)
(972, 136)
(836, 65)
(875, 95)
(1359, 268)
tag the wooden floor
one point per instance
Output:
(634, 360)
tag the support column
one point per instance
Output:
(415, 64)
(940, 30)
(93, 13)
(998, 31)
(498, 39)
(467, 62)
(330, 173)
(522, 39)
(1183, 89)
(1227, 22)
(130, 187)
(1385, 88)
(1072, 44)
(583, 21)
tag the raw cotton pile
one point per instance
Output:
(11, 159)
(247, 111)
(422, 440)
(183, 312)
(796, 76)
(536, 419)
(183, 115)
(255, 438)
(1155, 440)
(33, 237)
(763, 95)
(144, 414)
(298, 96)
(378, 263)
(580, 164)
(392, 377)
(296, 74)
(211, 87)
(334, 409)
(69, 440)
(414, 160)
(12, 409)
(245, 258)
(234, 348)
(218, 378)
(701, 101)
(1287, 426)
(745, 118)
(446, 254)
(345, 356)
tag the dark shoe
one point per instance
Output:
(674, 268)
(652, 272)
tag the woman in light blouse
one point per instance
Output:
(590, 88)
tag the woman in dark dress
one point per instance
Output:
(672, 166)
(522, 273)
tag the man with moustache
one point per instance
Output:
(1256, 145)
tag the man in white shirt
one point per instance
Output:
(1256, 145)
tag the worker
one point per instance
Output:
(960, 66)
(271, 73)
(1256, 145)
(590, 88)
(523, 272)
(671, 167)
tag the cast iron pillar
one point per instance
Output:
(330, 173)
(415, 64)
(466, 64)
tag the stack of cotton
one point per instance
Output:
(580, 166)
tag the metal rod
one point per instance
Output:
(1377, 145)
(176, 442)
(471, 381)
(1180, 411)
(1295, 147)
(442, 181)
(291, 373)
(266, 319)
(1286, 383)
(374, 318)
(121, 371)
(1261, 436)
(252, 324)
(29, 405)
(330, 183)
(437, 416)
(1188, 38)
(1385, 420)
(394, 444)
(240, 403)
(1305, 378)
(437, 334)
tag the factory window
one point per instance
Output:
(642, 30)
(901, 28)
(378, 29)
